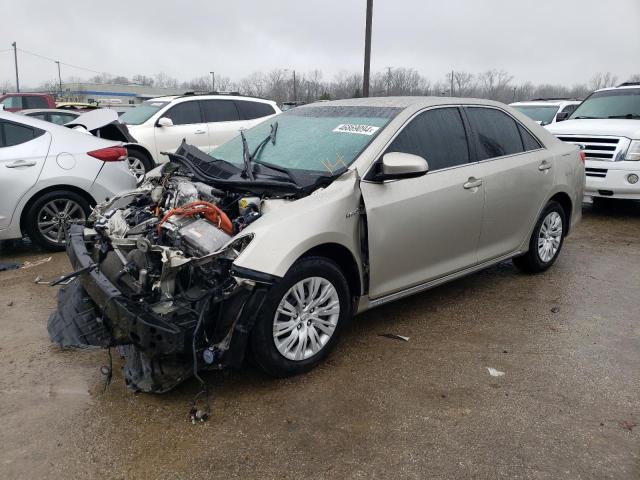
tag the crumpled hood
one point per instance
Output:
(612, 127)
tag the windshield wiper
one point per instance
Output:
(246, 158)
(627, 115)
(269, 138)
(583, 117)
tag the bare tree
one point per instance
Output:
(603, 80)
(495, 85)
(463, 84)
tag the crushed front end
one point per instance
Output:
(156, 278)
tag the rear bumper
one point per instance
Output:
(610, 179)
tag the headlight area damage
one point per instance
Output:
(156, 275)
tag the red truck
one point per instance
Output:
(13, 102)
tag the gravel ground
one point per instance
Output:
(567, 406)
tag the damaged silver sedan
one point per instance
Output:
(275, 239)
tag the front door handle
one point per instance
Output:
(199, 132)
(544, 166)
(22, 163)
(472, 183)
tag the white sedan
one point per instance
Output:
(51, 175)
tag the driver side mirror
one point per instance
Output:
(165, 122)
(562, 116)
(399, 165)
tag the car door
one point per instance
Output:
(23, 151)
(517, 175)
(222, 120)
(423, 228)
(188, 124)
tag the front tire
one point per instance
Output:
(546, 240)
(48, 219)
(302, 318)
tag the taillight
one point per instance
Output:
(583, 156)
(110, 154)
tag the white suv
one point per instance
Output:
(545, 111)
(606, 126)
(205, 121)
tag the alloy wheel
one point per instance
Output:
(56, 216)
(137, 168)
(550, 236)
(306, 318)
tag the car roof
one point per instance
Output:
(171, 98)
(403, 102)
(619, 87)
(551, 102)
(49, 110)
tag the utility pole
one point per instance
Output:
(15, 58)
(213, 81)
(367, 50)
(59, 76)
(388, 79)
(295, 93)
(451, 83)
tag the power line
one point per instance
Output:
(66, 64)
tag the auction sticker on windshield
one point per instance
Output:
(353, 128)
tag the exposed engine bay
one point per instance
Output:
(154, 270)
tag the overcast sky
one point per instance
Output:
(556, 41)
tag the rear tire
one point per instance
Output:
(302, 318)
(546, 240)
(139, 164)
(48, 219)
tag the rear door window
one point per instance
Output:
(185, 113)
(34, 102)
(250, 110)
(61, 118)
(496, 133)
(436, 135)
(219, 111)
(14, 134)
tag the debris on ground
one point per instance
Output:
(35, 263)
(495, 373)
(10, 304)
(394, 336)
(627, 425)
(555, 309)
(4, 266)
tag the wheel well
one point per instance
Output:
(565, 202)
(345, 260)
(53, 188)
(139, 148)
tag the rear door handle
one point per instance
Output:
(472, 183)
(22, 163)
(544, 166)
(199, 132)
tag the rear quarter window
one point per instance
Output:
(249, 110)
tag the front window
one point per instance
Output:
(312, 139)
(539, 113)
(142, 112)
(618, 103)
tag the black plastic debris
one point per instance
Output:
(5, 266)
(73, 323)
